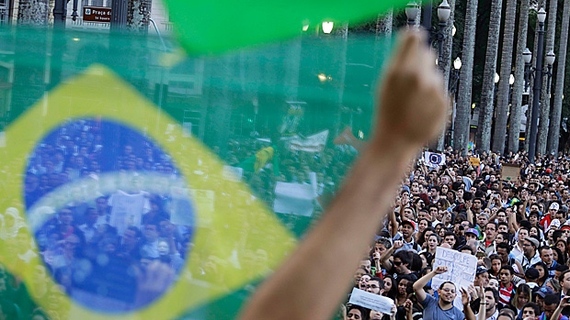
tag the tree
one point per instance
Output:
(444, 63)
(138, 14)
(463, 112)
(515, 118)
(553, 137)
(33, 12)
(545, 93)
(502, 110)
(487, 92)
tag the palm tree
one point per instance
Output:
(560, 72)
(487, 91)
(444, 62)
(545, 95)
(463, 111)
(138, 14)
(384, 23)
(502, 109)
(33, 12)
(515, 123)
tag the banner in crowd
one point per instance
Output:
(461, 268)
(312, 143)
(434, 159)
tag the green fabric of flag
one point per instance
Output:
(224, 103)
(216, 26)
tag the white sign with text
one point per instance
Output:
(461, 269)
(371, 301)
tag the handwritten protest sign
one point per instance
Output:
(510, 172)
(371, 301)
(461, 269)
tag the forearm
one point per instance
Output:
(482, 308)
(394, 223)
(470, 216)
(422, 282)
(296, 290)
(469, 315)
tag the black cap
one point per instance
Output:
(531, 273)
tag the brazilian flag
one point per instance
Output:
(122, 194)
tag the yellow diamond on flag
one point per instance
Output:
(232, 239)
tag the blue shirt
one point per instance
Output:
(432, 310)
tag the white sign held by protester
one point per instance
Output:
(461, 269)
(294, 198)
(371, 301)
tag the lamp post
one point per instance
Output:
(412, 9)
(443, 14)
(452, 88)
(537, 86)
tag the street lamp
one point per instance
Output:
(412, 10)
(327, 26)
(541, 15)
(453, 84)
(443, 13)
(527, 57)
(457, 63)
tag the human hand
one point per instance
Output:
(408, 306)
(465, 296)
(473, 293)
(440, 270)
(412, 97)
(481, 293)
(398, 244)
(565, 302)
(376, 256)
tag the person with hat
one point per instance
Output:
(481, 277)
(552, 307)
(407, 236)
(566, 229)
(530, 254)
(541, 294)
(549, 216)
(531, 276)
(471, 234)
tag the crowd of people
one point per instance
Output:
(101, 247)
(518, 230)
